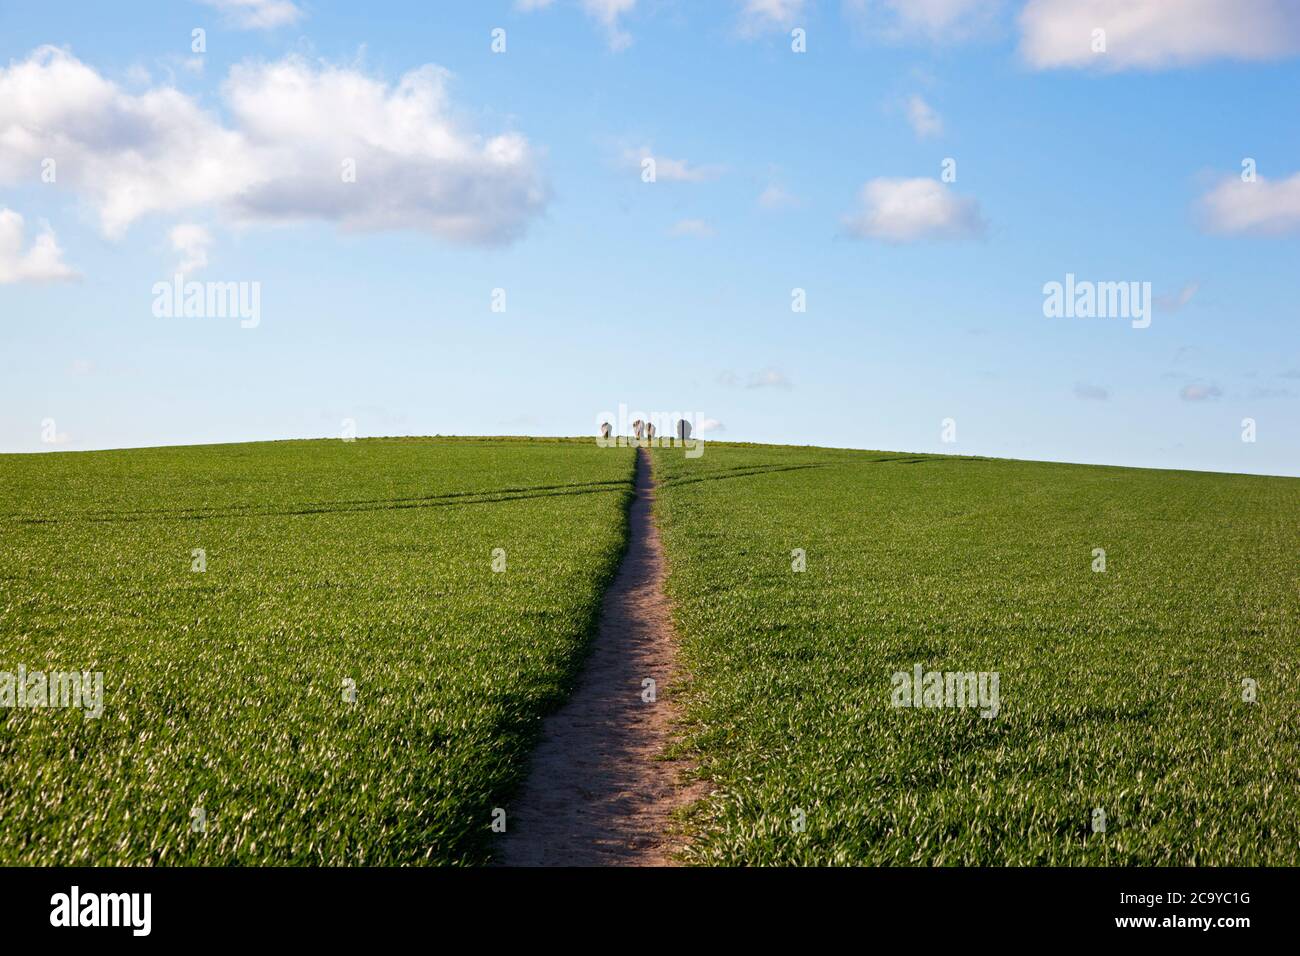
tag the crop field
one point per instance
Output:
(335, 652)
(349, 672)
(1147, 712)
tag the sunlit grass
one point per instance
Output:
(1119, 690)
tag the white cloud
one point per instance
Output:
(605, 12)
(258, 14)
(130, 154)
(939, 21)
(696, 228)
(1155, 34)
(925, 121)
(673, 170)
(757, 16)
(192, 243)
(711, 425)
(1262, 208)
(774, 197)
(907, 210)
(41, 262)
(414, 167)
(293, 124)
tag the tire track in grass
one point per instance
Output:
(456, 500)
(599, 791)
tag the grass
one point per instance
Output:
(1119, 690)
(370, 562)
(326, 561)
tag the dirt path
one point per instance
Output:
(597, 794)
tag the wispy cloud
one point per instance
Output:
(672, 170)
(764, 378)
(608, 13)
(926, 123)
(775, 197)
(258, 14)
(759, 16)
(935, 21)
(192, 242)
(1200, 393)
(694, 228)
(1269, 392)
(1172, 303)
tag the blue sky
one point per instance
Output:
(775, 170)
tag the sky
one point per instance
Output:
(818, 222)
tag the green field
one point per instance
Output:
(1119, 690)
(370, 562)
(326, 561)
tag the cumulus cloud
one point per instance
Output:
(908, 210)
(925, 121)
(672, 170)
(1156, 34)
(257, 14)
(192, 243)
(130, 154)
(1200, 393)
(1261, 208)
(293, 127)
(757, 16)
(939, 21)
(695, 228)
(42, 261)
(415, 168)
(711, 425)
